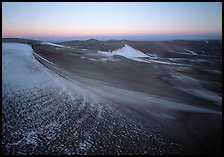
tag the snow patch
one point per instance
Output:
(171, 51)
(31, 138)
(48, 43)
(152, 56)
(192, 52)
(178, 52)
(57, 45)
(43, 58)
(85, 145)
(127, 52)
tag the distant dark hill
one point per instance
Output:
(92, 40)
(108, 45)
(20, 40)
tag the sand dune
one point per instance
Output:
(74, 101)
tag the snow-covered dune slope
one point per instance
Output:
(127, 52)
(44, 113)
(21, 70)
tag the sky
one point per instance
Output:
(134, 20)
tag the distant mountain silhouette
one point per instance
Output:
(92, 40)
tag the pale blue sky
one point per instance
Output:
(111, 19)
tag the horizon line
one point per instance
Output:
(88, 38)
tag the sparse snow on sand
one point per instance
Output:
(45, 113)
(136, 55)
(193, 86)
(178, 52)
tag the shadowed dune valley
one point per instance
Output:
(91, 86)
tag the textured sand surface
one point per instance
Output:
(64, 100)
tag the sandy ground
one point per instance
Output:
(112, 105)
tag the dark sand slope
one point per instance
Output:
(89, 104)
(44, 113)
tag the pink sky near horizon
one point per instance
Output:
(96, 32)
